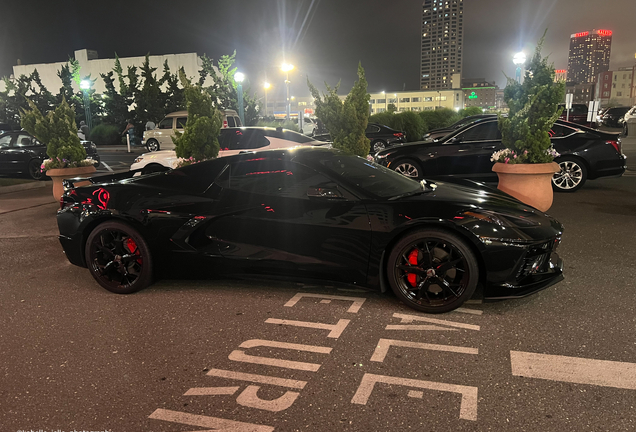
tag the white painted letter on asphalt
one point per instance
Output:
(249, 398)
(335, 330)
(207, 422)
(383, 346)
(355, 307)
(240, 356)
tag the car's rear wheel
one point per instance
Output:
(432, 270)
(35, 169)
(152, 145)
(572, 176)
(378, 145)
(408, 168)
(118, 258)
(152, 168)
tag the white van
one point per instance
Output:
(160, 138)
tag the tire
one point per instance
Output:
(35, 170)
(153, 168)
(377, 146)
(408, 168)
(415, 266)
(572, 176)
(118, 258)
(152, 145)
(97, 160)
(313, 133)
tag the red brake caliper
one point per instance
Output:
(132, 248)
(412, 278)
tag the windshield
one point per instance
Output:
(364, 174)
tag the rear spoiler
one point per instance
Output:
(85, 181)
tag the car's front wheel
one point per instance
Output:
(432, 270)
(118, 258)
(152, 145)
(35, 169)
(378, 145)
(572, 176)
(409, 168)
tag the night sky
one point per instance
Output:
(324, 39)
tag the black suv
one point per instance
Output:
(22, 153)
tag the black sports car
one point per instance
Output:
(22, 153)
(586, 154)
(380, 137)
(314, 214)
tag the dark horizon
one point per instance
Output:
(325, 39)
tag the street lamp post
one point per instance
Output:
(85, 85)
(385, 104)
(266, 86)
(239, 77)
(286, 67)
(519, 59)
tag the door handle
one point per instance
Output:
(432, 154)
(492, 147)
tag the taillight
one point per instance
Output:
(399, 134)
(61, 203)
(224, 123)
(617, 145)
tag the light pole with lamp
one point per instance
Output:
(386, 106)
(266, 86)
(286, 67)
(239, 77)
(519, 59)
(85, 85)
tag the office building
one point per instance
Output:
(442, 43)
(480, 93)
(617, 87)
(589, 55)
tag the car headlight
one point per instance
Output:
(501, 219)
(138, 159)
(382, 156)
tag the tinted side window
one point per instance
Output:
(23, 141)
(372, 129)
(249, 139)
(166, 123)
(181, 122)
(482, 132)
(273, 177)
(579, 109)
(237, 120)
(289, 136)
(231, 122)
(5, 141)
(559, 131)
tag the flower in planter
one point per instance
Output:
(534, 107)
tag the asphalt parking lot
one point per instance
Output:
(254, 355)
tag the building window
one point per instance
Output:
(372, 101)
(402, 100)
(381, 101)
(416, 99)
(428, 99)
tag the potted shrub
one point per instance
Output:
(526, 165)
(67, 156)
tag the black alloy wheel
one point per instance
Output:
(152, 145)
(378, 145)
(408, 168)
(572, 176)
(35, 169)
(432, 271)
(118, 258)
(153, 168)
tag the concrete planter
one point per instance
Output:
(59, 174)
(529, 183)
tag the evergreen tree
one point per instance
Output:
(174, 95)
(149, 100)
(533, 110)
(346, 121)
(115, 106)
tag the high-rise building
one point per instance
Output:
(589, 55)
(442, 43)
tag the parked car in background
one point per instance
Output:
(434, 134)
(585, 154)
(380, 137)
(22, 153)
(613, 117)
(578, 114)
(231, 141)
(160, 138)
(311, 214)
(629, 115)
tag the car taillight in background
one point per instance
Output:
(617, 145)
(399, 134)
(224, 123)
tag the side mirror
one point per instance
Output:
(456, 139)
(324, 192)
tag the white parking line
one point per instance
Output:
(573, 369)
(107, 167)
(355, 307)
(467, 409)
(382, 349)
(469, 311)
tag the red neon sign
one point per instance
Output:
(605, 32)
(560, 71)
(581, 34)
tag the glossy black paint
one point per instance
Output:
(454, 157)
(19, 148)
(377, 133)
(435, 134)
(342, 239)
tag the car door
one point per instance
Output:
(163, 133)
(467, 154)
(280, 217)
(20, 153)
(5, 153)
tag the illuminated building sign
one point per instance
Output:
(472, 96)
(559, 71)
(581, 34)
(605, 32)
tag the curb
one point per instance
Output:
(23, 186)
(123, 149)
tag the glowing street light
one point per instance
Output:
(519, 60)
(286, 67)
(239, 77)
(85, 85)
(266, 86)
